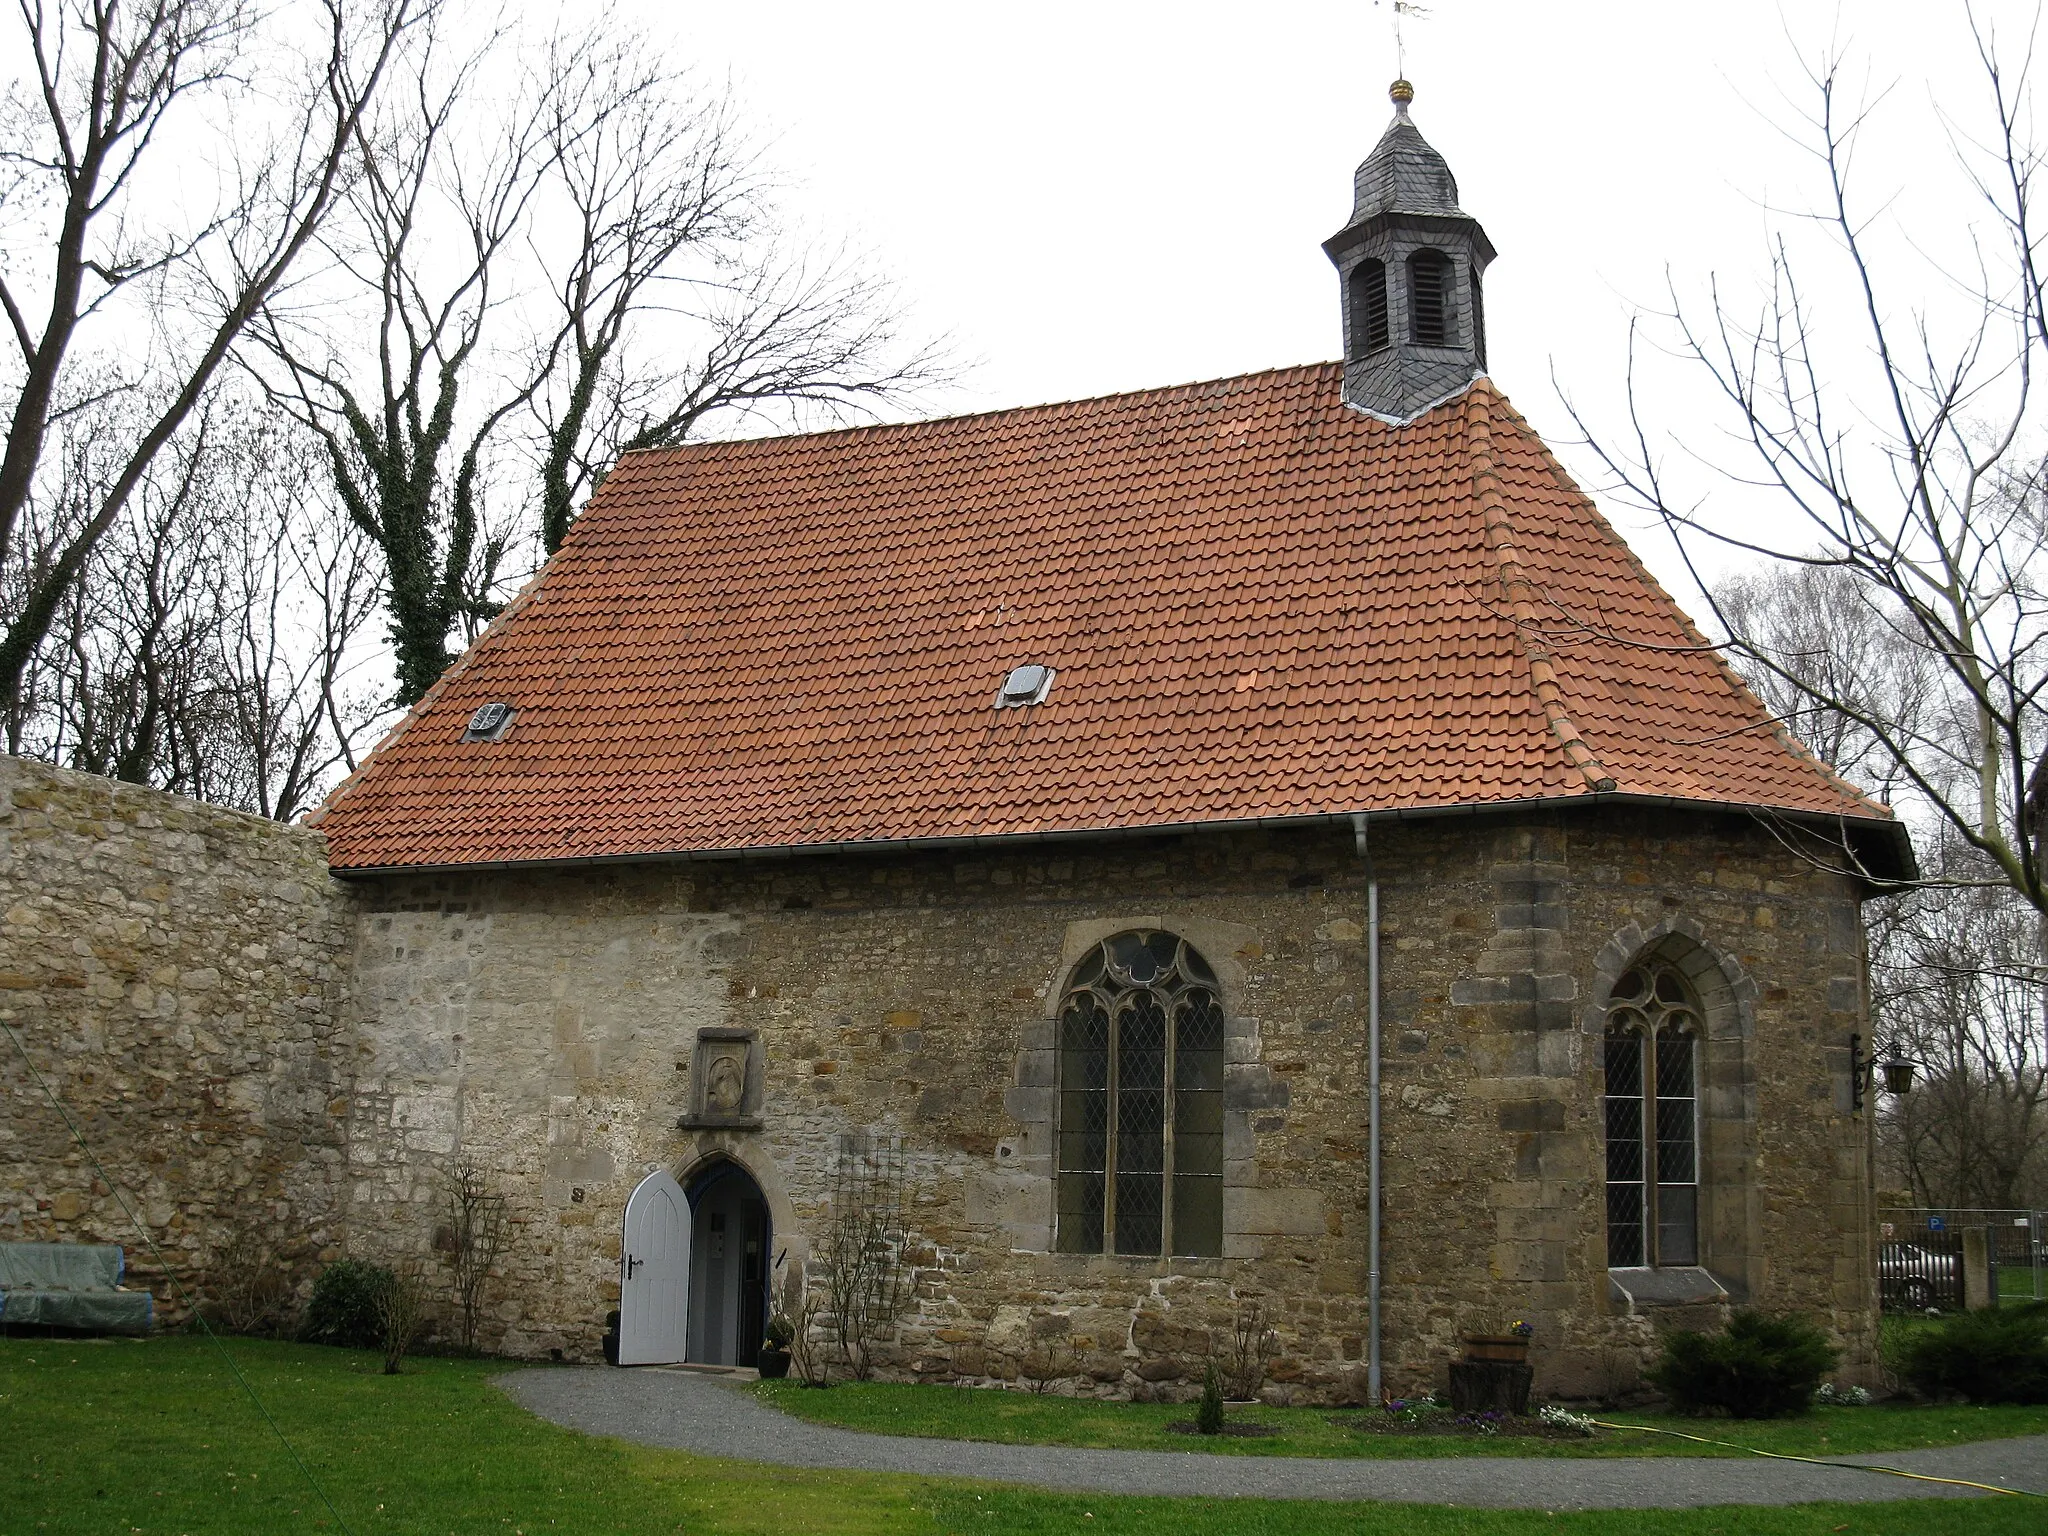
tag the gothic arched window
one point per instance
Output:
(1652, 1050)
(1368, 306)
(1429, 299)
(1141, 1101)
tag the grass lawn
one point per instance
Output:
(2016, 1282)
(1018, 1418)
(155, 1437)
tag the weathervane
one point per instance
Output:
(1403, 8)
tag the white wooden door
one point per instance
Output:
(654, 1289)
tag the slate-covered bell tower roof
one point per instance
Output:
(1403, 174)
(1409, 264)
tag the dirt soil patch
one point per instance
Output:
(1241, 1431)
(1460, 1426)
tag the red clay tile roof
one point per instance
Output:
(1260, 604)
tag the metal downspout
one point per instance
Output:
(1359, 827)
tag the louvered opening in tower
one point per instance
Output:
(1429, 298)
(1368, 306)
(1478, 320)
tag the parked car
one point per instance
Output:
(1916, 1277)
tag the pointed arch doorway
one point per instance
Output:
(729, 1266)
(695, 1272)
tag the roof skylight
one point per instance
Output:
(489, 723)
(1025, 685)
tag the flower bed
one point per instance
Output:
(1427, 1416)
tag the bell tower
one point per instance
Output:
(1409, 265)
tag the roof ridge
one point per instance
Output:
(1515, 587)
(993, 412)
(1779, 730)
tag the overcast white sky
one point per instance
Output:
(1092, 198)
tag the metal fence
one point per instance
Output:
(1926, 1258)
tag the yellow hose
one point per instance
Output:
(1815, 1461)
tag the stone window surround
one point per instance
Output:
(1247, 1086)
(1725, 1075)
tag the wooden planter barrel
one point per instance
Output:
(1494, 1376)
(1507, 1348)
(1490, 1386)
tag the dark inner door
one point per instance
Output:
(729, 1267)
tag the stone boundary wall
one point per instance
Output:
(176, 972)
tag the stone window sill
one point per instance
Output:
(1676, 1285)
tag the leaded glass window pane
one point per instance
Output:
(1624, 1225)
(1678, 1224)
(1084, 1123)
(1140, 1120)
(1198, 1125)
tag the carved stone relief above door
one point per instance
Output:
(725, 1081)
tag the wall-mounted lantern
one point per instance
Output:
(1896, 1068)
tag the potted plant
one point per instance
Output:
(1510, 1348)
(774, 1362)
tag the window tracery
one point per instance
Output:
(1652, 1112)
(1141, 1101)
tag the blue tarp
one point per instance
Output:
(70, 1285)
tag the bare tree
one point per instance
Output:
(615, 187)
(672, 236)
(1898, 453)
(1047, 1357)
(248, 1285)
(437, 202)
(1952, 959)
(1252, 1347)
(1820, 625)
(1954, 989)
(400, 1301)
(208, 644)
(119, 92)
(806, 1347)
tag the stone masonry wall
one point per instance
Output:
(175, 972)
(544, 1025)
(263, 1056)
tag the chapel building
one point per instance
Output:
(1087, 823)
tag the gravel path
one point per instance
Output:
(692, 1412)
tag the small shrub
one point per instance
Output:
(1209, 1413)
(780, 1332)
(1047, 1355)
(401, 1312)
(343, 1308)
(251, 1291)
(1995, 1356)
(1252, 1348)
(1758, 1368)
